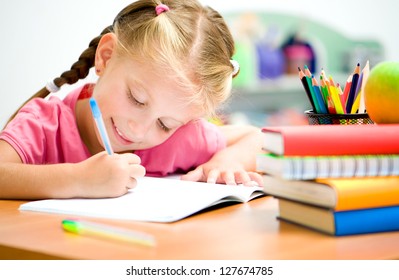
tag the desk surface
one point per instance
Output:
(240, 231)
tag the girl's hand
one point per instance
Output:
(232, 175)
(106, 175)
(235, 163)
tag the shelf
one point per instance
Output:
(273, 95)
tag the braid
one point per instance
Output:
(79, 70)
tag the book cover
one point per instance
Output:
(337, 194)
(313, 167)
(315, 140)
(340, 223)
(152, 200)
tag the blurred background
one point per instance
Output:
(42, 38)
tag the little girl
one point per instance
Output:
(162, 68)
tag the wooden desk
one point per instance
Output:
(241, 231)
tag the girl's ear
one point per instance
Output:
(105, 49)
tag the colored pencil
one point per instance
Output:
(347, 89)
(324, 89)
(319, 96)
(308, 75)
(335, 99)
(341, 97)
(352, 91)
(305, 85)
(365, 72)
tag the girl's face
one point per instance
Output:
(141, 105)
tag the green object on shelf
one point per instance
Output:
(246, 57)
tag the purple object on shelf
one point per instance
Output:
(271, 62)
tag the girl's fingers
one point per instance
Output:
(137, 170)
(229, 178)
(256, 177)
(243, 178)
(213, 176)
(194, 175)
(131, 158)
(132, 182)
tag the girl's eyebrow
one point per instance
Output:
(137, 85)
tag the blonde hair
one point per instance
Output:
(191, 41)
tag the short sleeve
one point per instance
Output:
(191, 145)
(45, 132)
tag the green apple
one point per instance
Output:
(381, 93)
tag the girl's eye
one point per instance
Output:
(163, 126)
(141, 104)
(134, 100)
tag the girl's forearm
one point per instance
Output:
(99, 176)
(243, 144)
(24, 181)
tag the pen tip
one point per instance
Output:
(299, 68)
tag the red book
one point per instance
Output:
(317, 140)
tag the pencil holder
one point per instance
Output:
(344, 119)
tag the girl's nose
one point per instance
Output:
(139, 129)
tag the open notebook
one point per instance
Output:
(153, 200)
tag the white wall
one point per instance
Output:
(40, 39)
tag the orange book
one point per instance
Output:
(365, 193)
(337, 194)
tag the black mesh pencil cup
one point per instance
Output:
(343, 119)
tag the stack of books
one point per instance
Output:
(340, 180)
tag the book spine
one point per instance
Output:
(309, 168)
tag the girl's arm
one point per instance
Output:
(237, 162)
(101, 175)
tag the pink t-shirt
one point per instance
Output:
(45, 132)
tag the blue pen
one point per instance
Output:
(100, 125)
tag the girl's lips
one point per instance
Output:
(121, 137)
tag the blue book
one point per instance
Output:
(340, 223)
